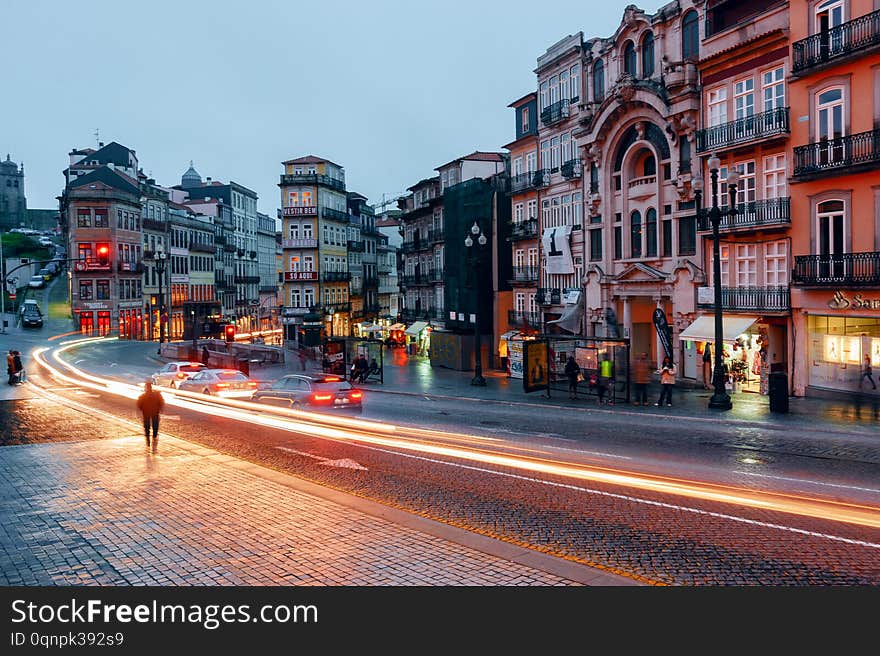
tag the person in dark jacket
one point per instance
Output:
(572, 372)
(10, 366)
(206, 355)
(641, 378)
(360, 368)
(18, 367)
(150, 403)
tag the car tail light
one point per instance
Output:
(322, 397)
(357, 395)
(332, 379)
(221, 385)
(251, 384)
(181, 375)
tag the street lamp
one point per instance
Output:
(474, 256)
(720, 398)
(161, 257)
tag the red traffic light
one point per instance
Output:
(230, 333)
(103, 252)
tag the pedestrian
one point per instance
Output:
(17, 367)
(606, 379)
(572, 372)
(667, 380)
(10, 366)
(150, 403)
(867, 372)
(359, 368)
(641, 378)
(206, 355)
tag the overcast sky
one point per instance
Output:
(388, 89)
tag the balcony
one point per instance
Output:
(527, 229)
(130, 267)
(338, 307)
(295, 310)
(356, 246)
(851, 154)
(300, 276)
(763, 300)
(748, 129)
(549, 296)
(641, 187)
(571, 169)
(300, 242)
(529, 180)
(201, 247)
(152, 224)
(436, 236)
(312, 179)
(436, 275)
(246, 280)
(524, 319)
(413, 246)
(268, 289)
(525, 274)
(418, 279)
(371, 282)
(229, 248)
(555, 112)
(300, 210)
(762, 214)
(330, 213)
(848, 40)
(336, 276)
(409, 314)
(846, 269)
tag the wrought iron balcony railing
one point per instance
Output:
(527, 229)
(753, 299)
(524, 319)
(767, 124)
(312, 178)
(859, 151)
(758, 214)
(435, 235)
(837, 43)
(335, 276)
(571, 169)
(330, 213)
(529, 180)
(852, 269)
(356, 246)
(548, 296)
(555, 112)
(525, 273)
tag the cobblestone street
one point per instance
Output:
(108, 512)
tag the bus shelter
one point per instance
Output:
(604, 362)
(339, 354)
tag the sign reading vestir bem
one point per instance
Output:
(663, 331)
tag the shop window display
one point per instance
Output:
(837, 349)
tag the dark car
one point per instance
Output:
(31, 317)
(311, 392)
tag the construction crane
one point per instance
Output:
(388, 199)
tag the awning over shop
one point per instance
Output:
(416, 328)
(509, 334)
(703, 329)
(397, 326)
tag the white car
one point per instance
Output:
(37, 282)
(173, 373)
(228, 383)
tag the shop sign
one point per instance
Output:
(663, 331)
(840, 301)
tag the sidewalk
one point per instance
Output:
(414, 375)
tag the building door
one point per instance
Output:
(829, 18)
(830, 231)
(103, 323)
(86, 323)
(829, 127)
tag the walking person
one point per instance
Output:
(17, 367)
(206, 355)
(667, 380)
(10, 366)
(867, 372)
(150, 403)
(641, 378)
(572, 372)
(606, 380)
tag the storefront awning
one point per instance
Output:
(416, 328)
(397, 326)
(703, 329)
(509, 334)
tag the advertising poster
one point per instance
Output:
(515, 358)
(536, 375)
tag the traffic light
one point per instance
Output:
(103, 252)
(229, 332)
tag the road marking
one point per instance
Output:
(801, 480)
(345, 463)
(632, 499)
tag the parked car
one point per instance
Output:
(47, 275)
(174, 372)
(229, 383)
(45, 241)
(31, 316)
(311, 392)
(37, 282)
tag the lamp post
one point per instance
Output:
(720, 398)
(474, 254)
(161, 258)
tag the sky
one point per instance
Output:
(388, 89)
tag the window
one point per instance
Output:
(717, 105)
(651, 232)
(829, 15)
(635, 221)
(745, 192)
(667, 237)
(618, 245)
(545, 154)
(517, 166)
(84, 218)
(684, 157)
(532, 211)
(829, 125)
(596, 244)
(744, 98)
(533, 257)
(574, 83)
(554, 89)
(545, 95)
(690, 36)
(629, 59)
(554, 153)
(520, 302)
(594, 178)
(774, 176)
(773, 88)
(775, 268)
(85, 290)
(566, 147)
(598, 81)
(648, 55)
(563, 85)
(687, 235)
(746, 265)
(524, 122)
(102, 290)
(531, 162)
(830, 227)
(294, 231)
(518, 211)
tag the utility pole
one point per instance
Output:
(3, 291)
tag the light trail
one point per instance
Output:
(425, 442)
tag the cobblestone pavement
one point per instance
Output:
(108, 512)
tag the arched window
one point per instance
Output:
(690, 36)
(635, 223)
(651, 232)
(830, 127)
(830, 237)
(598, 81)
(630, 64)
(648, 55)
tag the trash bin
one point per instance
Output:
(778, 391)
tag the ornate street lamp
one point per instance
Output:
(474, 254)
(161, 260)
(720, 398)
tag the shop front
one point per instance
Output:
(418, 338)
(841, 338)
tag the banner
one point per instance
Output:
(663, 331)
(536, 374)
(557, 250)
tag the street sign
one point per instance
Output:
(12, 297)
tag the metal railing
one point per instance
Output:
(435, 235)
(748, 128)
(312, 178)
(836, 43)
(527, 229)
(833, 270)
(357, 246)
(571, 169)
(529, 180)
(525, 273)
(555, 112)
(757, 299)
(757, 214)
(519, 318)
(330, 213)
(837, 154)
(548, 296)
(335, 276)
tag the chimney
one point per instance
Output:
(100, 144)
(208, 180)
